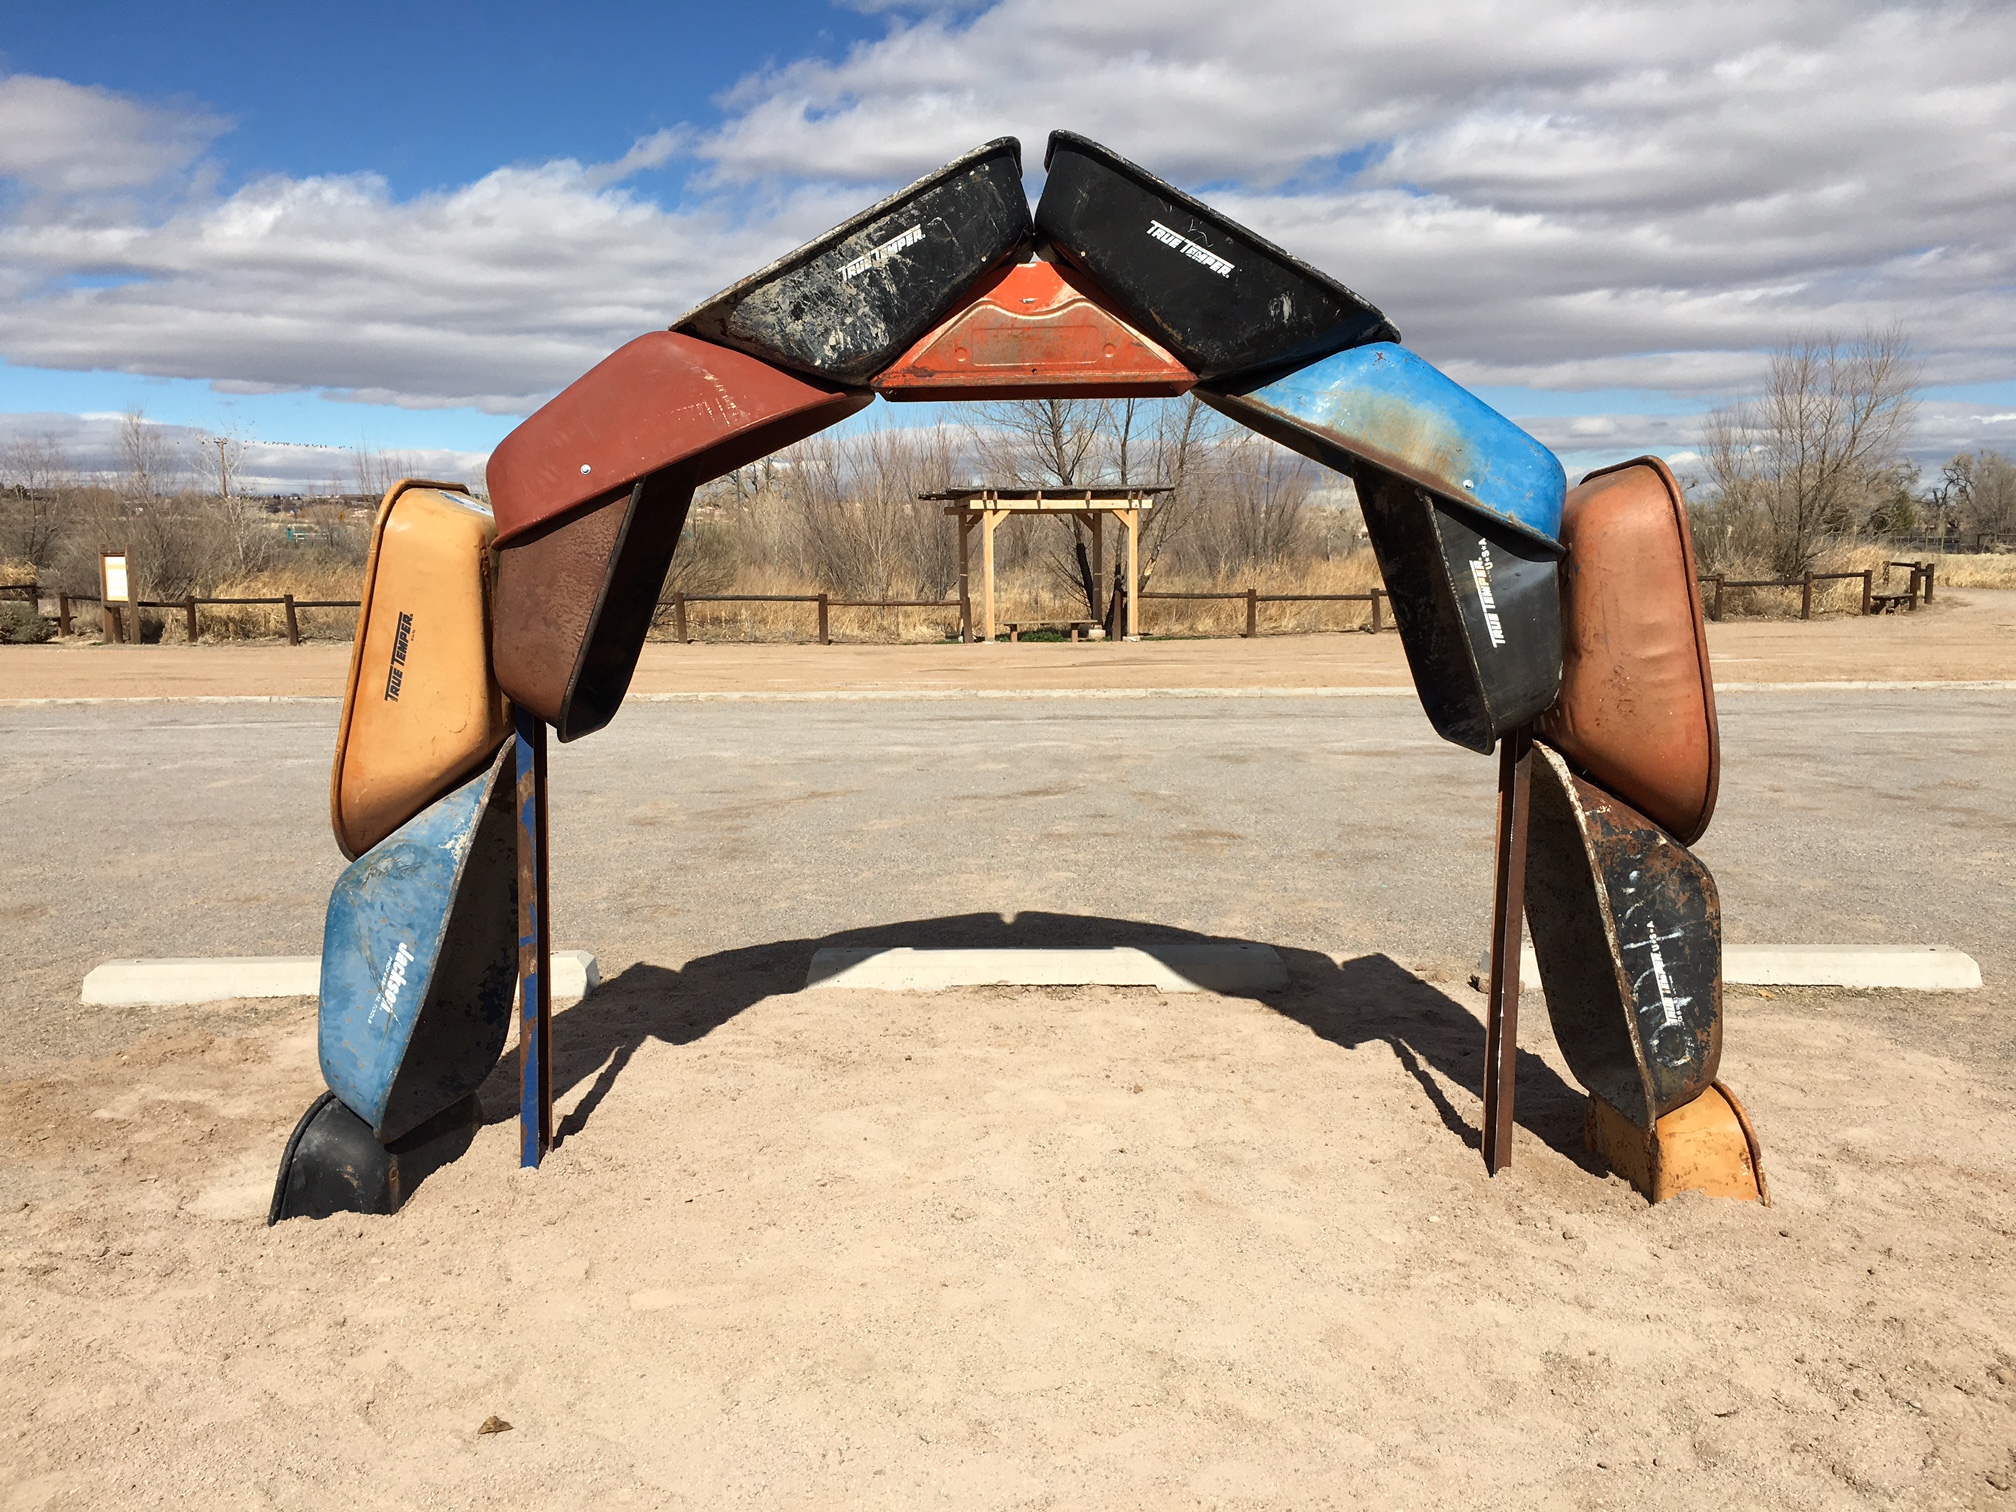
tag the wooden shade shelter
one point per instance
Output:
(986, 507)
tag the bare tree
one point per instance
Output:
(1979, 488)
(1804, 460)
(35, 474)
(151, 469)
(245, 546)
(1253, 507)
(376, 471)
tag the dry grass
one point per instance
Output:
(1838, 597)
(1845, 597)
(255, 622)
(1986, 571)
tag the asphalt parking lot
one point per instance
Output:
(1335, 824)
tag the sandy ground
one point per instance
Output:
(1967, 634)
(1018, 1248)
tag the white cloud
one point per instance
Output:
(63, 138)
(1559, 194)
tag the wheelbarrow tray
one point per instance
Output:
(421, 710)
(1478, 607)
(592, 493)
(420, 959)
(1637, 708)
(848, 303)
(1035, 328)
(1627, 928)
(1382, 404)
(1226, 301)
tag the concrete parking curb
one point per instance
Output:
(1227, 967)
(1911, 968)
(171, 981)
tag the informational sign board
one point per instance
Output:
(112, 577)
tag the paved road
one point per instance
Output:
(1338, 824)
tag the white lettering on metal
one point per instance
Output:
(1190, 249)
(393, 982)
(874, 257)
(1480, 574)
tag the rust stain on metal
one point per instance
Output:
(1037, 328)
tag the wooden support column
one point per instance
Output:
(964, 524)
(1131, 518)
(1098, 567)
(1508, 919)
(535, 947)
(988, 524)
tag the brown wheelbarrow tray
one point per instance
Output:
(591, 494)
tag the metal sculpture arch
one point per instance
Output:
(1560, 628)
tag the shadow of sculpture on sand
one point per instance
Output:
(1366, 999)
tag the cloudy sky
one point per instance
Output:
(358, 226)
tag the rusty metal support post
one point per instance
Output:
(189, 618)
(1806, 597)
(679, 618)
(1868, 588)
(825, 606)
(1252, 613)
(535, 952)
(293, 625)
(1501, 1025)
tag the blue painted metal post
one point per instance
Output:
(535, 948)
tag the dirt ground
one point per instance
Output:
(1020, 1249)
(1967, 634)
(1024, 1249)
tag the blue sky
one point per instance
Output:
(428, 96)
(404, 226)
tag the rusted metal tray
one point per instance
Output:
(1478, 606)
(847, 304)
(1227, 302)
(653, 403)
(1036, 328)
(1627, 927)
(1637, 705)
(591, 494)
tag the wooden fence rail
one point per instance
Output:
(118, 631)
(1254, 598)
(1921, 586)
(826, 602)
(1872, 601)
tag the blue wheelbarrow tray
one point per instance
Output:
(419, 959)
(1383, 405)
